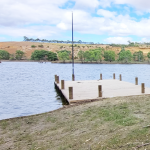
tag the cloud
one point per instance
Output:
(105, 3)
(33, 31)
(47, 18)
(106, 13)
(62, 26)
(19, 12)
(145, 39)
(118, 40)
(143, 5)
(86, 4)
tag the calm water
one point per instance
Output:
(27, 88)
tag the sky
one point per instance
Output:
(103, 21)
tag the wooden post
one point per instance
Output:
(142, 87)
(70, 92)
(62, 84)
(120, 77)
(100, 76)
(100, 91)
(57, 79)
(136, 81)
(73, 77)
(114, 76)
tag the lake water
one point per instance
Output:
(27, 88)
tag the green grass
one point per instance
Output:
(116, 123)
(4, 124)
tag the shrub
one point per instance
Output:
(43, 54)
(138, 56)
(109, 55)
(4, 55)
(33, 46)
(40, 46)
(19, 54)
(148, 55)
(12, 57)
(125, 56)
(64, 55)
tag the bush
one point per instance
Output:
(138, 56)
(19, 54)
(40, 46)
(109, 55)
(4, 55)
(33, 46)
(148, 55)
(12, 57)
(91, 55)
(125, 56)
(81, 55)
(43, 55)
(63, 55)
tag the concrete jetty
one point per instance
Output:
(90, 90)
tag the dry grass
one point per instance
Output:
(115, 123)
(11, 47)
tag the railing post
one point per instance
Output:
(142, 87)
(73, 77)
(100, 91)
(70, 92)
(57, 79)
(120, 77)
(100, 76)
(114, 76)
(136, 81)
(62, 84)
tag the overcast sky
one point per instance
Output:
(103, 21)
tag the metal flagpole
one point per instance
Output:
(73, 77)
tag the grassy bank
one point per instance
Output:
(115, 123)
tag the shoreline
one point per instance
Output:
(77, 62)
(104, 62)
(56, 110)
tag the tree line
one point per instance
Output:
(55, 41)
(96, 55)
(36, 55)
(130, 44)
(18, 55)
(100, 54)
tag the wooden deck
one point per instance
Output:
(88, 90)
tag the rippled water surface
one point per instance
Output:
(27, 88)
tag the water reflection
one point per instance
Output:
(60, 97)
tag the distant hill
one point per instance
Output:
(28, 47)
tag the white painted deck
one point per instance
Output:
(88, 90)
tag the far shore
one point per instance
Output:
(102, 62)
(79, 62)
